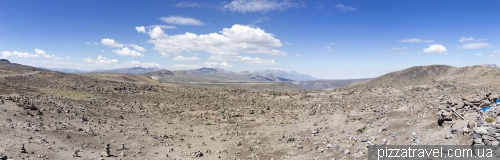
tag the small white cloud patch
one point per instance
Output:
(182, 58)
(415, 40)
(138, 48)
(225, 65)
(344, 8)
(475, 45)
(180, 20)
(127, 52)
(211, 64)
(244, 6)
(140, 29)
(100, 60)
(465, 39)
(436, 49)
(111, 43)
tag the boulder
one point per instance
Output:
(481, 130)
(478, 141)
(486, 137)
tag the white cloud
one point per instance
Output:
(328, 48)
(150, 64)
(475, 45)
(492, 55)
(185, 66)
(479, 55)
(244, 6)
(465, 39)
(229, 41)
(182, 58)
(162, 27)
(344, 8)
(288, 43)
(111, 43)
(88, 42)
(254, 61)
(416, 40)
(100, 60)
(436, 48)
(137, 64)
(189, 4)
(225, 65)
(102, 51)
(42, 53)
(496, 51)
(157, 33)
(298, 55)
(179, 20)
(127, 52)
(138, 48)
(140, 29)
(211, 64)
(96, 43)
(403, 50)
(6, 54)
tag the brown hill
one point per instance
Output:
(419, 75)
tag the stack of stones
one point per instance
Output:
(23, 150)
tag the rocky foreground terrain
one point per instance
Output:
(52, 115)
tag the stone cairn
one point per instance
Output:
(23, 150)
(107, 151)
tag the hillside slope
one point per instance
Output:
(419, 75)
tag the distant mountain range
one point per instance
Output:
(293, 75)
(132, 70)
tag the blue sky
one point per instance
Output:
(326, 39)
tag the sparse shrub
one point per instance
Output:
(121, 116)
(361, 130)
(490, 120)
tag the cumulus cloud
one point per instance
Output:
(157, 33)
(88, 42)
(7, 54)
(344, 8)
(250, 60)
(229, 41)
(182, 58)
(111, 43)
(189, 4)
(209, 64)
(180, 20)
(138, 48)
(140, 29)
(436, 49)
(186, 66)
(43, 54)
(38, 54)
(465, 39)
(225, 65)
(475, 45)
(127, 52)
(244, 6)
(100, 60)
(415, 40)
